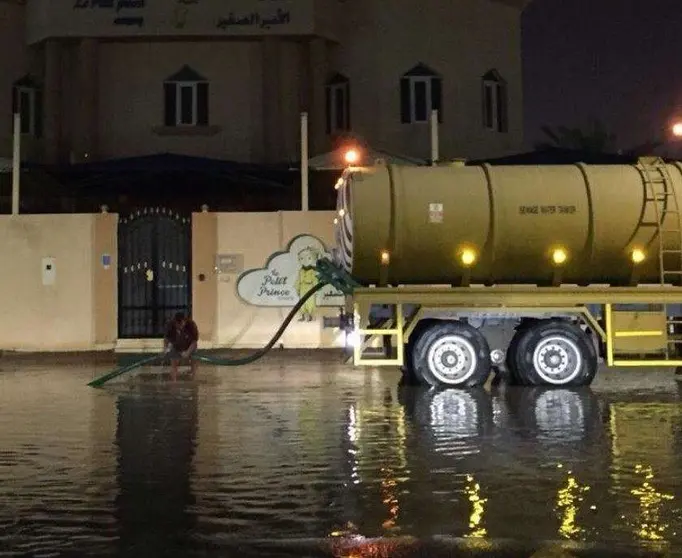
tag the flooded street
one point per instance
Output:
(294, 457)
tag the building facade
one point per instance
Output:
(106, 79)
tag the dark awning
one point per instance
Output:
(99, 172)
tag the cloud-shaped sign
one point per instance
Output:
(287, 276)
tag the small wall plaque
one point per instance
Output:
(229, 263)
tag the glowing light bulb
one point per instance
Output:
(352, 156)
(468, 257)
(638, 255)
(559, 256)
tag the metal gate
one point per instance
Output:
(154, 275)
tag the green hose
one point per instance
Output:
(262, 352)
(98, 382)
(122, 370)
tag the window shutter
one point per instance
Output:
(437, 97)
(348, 106)
(487, 106)
(405, 100)
(502, 115)
(202, 104)
(328, 108)
(339, 108)
(38, 113)
(169, 104)
(26, 106)
(484, 101)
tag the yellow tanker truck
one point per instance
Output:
(535, 271)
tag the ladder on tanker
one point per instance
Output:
(661, 195)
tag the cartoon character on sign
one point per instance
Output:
(306, 279)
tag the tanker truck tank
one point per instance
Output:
(600, 224)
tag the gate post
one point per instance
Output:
(205, 278)
(104, 256)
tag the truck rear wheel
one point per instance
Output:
(552, 353)
(510, 361)
(451, 354)
(410, 377)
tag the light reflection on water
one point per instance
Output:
(309, 453)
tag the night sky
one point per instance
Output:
(616, 60)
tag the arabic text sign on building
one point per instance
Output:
(109, 18)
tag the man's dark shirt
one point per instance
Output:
(182, 339)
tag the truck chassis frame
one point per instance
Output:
(636, 325)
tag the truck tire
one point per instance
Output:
(553, 353)
(451, 354)
(409, 375)
(512, 375)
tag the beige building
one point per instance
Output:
(109, 79)
(103, 79)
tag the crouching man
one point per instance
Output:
(180, 342)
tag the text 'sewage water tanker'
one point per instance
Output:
(514, 218)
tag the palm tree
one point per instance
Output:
(597, 140)
(646, 148)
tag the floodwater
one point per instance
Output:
(308, 457)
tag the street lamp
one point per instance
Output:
(351, 156)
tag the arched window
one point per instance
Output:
(27, 100)
(421, 91)
(337, 93)
(186, 99)
(495, 105)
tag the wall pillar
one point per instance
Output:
(85, 140)
(204, 276)
(53, 101)
(106, 279)
(272, 108)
